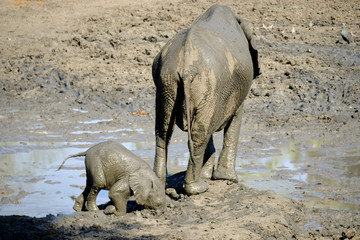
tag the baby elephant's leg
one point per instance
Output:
(91, 199)
(119, 194)
(80, 200)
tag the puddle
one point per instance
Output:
(33, 176)
(96, 121)
(124, 130)
(316, 202)
(314, 175)
(79, 110)
(317, 175)
(312, 226)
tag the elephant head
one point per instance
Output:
(147, 189)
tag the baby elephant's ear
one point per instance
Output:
(141, 185)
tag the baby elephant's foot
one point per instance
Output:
(79, 203)
(225, 174)
(110, 210)
(77, 207)
(196, 187)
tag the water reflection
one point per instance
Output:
(33, 163)
(31, 185)
(317, 202)
(96, 121)
(124, 130)
(353, 170)
(137, 146)
(318, 168)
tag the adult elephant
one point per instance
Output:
(202, 76)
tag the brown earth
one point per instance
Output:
(96, 56)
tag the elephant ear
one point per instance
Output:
(141, 185)
(252, 45)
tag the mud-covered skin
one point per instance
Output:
(110, 166)
(202, 76)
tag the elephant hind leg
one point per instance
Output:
(226, 165)
(164, 127)
(79, 204)
(194, 184)
(80, 201)
(91, 199)
(209, 160)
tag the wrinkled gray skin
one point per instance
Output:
(202, 76)
(111, 166)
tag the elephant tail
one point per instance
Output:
(71, 156)
(186, 87)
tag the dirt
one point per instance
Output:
(65, 62)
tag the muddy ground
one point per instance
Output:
(68, 61)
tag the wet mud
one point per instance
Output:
(77, 73)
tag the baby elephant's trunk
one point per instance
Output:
(71, 156)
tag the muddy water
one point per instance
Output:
(320, 175)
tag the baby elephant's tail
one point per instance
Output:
(71, 156)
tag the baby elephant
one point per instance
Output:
(111, 166)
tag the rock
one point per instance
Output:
(345, 35)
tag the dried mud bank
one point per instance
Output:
(66, 63)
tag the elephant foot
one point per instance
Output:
(79, 203)
(110, 210)
(196, 187)
(77, 207)
(92, 207)
(225, 174)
